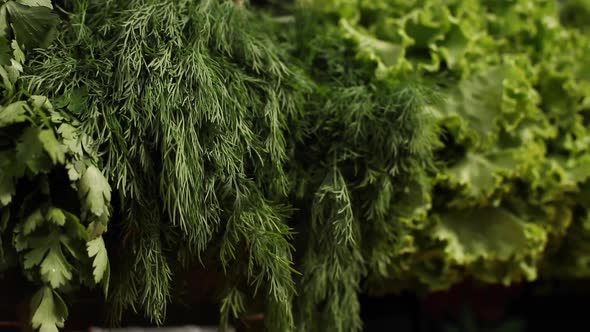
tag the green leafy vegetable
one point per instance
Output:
(194, 135)
(49, 309)
(95, 192)
(33, 22)
(35, 3)
(13, 113)
(37, 142)
(97, 250)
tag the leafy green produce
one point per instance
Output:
(50, 311)
(43, 158)
(199, 121)
(311, 150)
(369, 141)
(30, 22)
(49, 234)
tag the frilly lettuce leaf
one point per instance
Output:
(487, 237)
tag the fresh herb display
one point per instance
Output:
(310, 150)
(199, 122)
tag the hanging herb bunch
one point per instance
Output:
(54, 200)
(194, 139)
(369, 145)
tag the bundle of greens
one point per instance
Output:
(54, 201)
(369, 143)
(191, 106)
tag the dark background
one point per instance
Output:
(539, 306)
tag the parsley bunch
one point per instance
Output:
(54, 200)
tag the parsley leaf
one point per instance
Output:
(36, 3)
(5, 54)
(54, 148)
(55, 268)
(96, 249)
(33, 221)
(50, 311)
(6, 189)
(29, 151)
(33, 26)
(70, 139)
(56, 216)
(35, 257)
(95, 192)
(46, 251)
(13, 113)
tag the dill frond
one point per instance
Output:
(190, 103)
(369, 140)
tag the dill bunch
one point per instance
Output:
(196, 113)
(368, 148)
